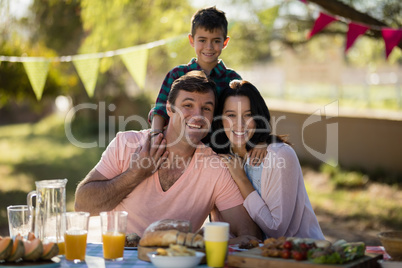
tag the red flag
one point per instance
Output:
(322, 21)
(391, 39)
(304, 1)
(354, 31)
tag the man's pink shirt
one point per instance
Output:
(205, 185)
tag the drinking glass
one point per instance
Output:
(75, 237)
(113, 225)
(19, 220)
(216, 237)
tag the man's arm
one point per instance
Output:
(97, 193)
(241, 225)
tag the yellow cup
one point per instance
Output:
(75, 238)
(62, 246)
(216, 236)
(113, 225)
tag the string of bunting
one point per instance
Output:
(136, 58)
(391, 36)
(87, 65)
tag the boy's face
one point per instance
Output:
(208, 46)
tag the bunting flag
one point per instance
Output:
(354, 31)
(322, 21)
(391, 39)
(136, 63)
(267, 17)
(87, 69)
(37, 73)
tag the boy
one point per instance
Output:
(208, 37)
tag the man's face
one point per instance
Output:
(191, 115)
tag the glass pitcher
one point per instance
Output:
(50, 210)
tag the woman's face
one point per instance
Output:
(238, 121)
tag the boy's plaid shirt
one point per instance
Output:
(220, 75)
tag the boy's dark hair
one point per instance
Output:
(193, 81)
(209, 18)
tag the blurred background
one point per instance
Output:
(74, 72)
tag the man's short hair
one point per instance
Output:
(193, 81)
(210, 19)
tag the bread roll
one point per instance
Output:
(166, 238)
(169, 224)
(198, 241)
(189, 239)
(181, 239)
(159, 238)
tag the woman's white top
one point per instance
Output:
(280, 204)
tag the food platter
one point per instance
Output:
(253, 258)
(54, 262)
(131, 248)
(143, 252)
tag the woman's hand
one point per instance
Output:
(235, 165)
(257, 154)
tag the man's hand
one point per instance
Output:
(149, 156)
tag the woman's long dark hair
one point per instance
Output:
(259, 110)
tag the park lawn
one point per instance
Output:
(40, 151)
(374, 206)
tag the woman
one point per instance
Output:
(274, 192)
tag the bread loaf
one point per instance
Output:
(181, 238)
(198, 241)
(159, 238)
(189, 239)
(169, 224)
(165, 238)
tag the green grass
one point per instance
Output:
(40, 151)
(352, 196)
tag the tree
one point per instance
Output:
(388, 13)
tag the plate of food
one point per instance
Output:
(54, 262)
(175, 256)
(246, 245)
(132, 241)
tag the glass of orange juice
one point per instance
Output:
(75, 238)
(216, 236)
(113, 226)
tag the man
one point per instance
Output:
(169, 175)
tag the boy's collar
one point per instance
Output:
(218, 71)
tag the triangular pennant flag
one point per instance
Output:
(322, 21)
(87, 69)
(391, 39)
(37, 73)
(267, 17)
(136, 63)
(354, 31)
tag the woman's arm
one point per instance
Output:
(274, 209)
